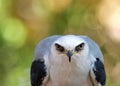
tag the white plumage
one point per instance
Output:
(68, 60)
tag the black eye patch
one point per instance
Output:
(59, 47)
(80, 47)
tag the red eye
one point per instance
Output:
(59, 48)
(80, 47)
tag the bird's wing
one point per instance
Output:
(97, 71)
(40, 65)
(38, 73)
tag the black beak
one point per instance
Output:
(69, 54)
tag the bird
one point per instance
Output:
(67, 60)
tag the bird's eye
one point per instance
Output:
(59, 48)
(80, 47)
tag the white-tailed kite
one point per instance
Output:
(68, 60)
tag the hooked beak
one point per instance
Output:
(69, 54)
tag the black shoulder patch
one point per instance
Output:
(38, 72)
(99, 72)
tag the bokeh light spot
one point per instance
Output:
(14, 33)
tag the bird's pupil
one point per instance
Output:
(79, 47)
(59, 48)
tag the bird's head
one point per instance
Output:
(70, 46)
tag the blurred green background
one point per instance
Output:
(23, 23)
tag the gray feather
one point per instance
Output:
(43, 46)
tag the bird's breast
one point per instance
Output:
(69, 74)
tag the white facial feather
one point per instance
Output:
(69, 42)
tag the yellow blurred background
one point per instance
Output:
(23, 23)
